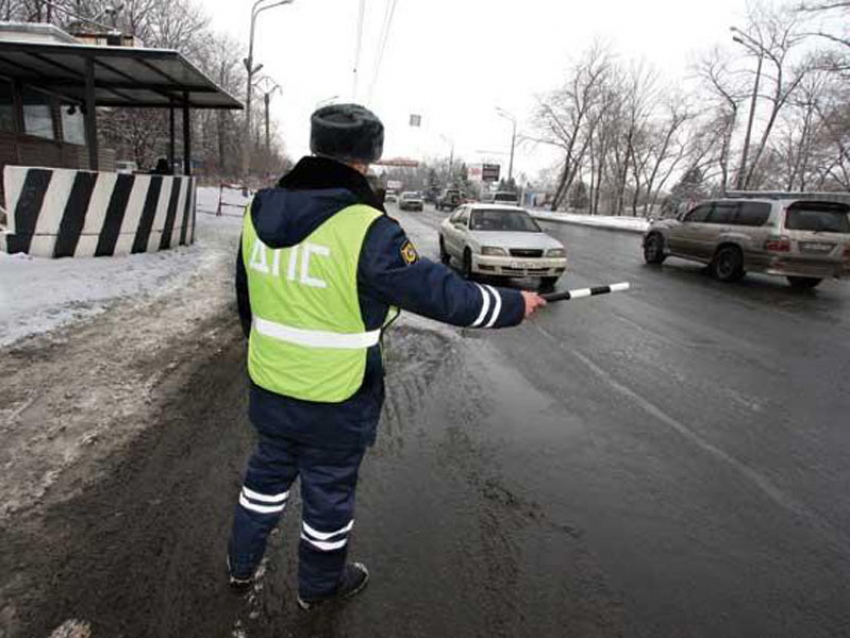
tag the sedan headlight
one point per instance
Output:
(493, 251)
(556, 252)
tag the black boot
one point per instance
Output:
(353, 581)
(239, 582)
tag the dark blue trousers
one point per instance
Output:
(328, 482)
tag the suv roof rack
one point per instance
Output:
(841, 198)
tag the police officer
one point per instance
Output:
(322, 271)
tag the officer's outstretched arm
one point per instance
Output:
(391, 272)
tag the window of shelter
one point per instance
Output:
(38, 119)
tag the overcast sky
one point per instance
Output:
(454, 61)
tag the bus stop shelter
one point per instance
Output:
(92, 76)
(66, 72)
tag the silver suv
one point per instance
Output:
(804, 238)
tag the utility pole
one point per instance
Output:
(267, 96)
(256, 10)
(503, 113)
(754, 47)
(451, 158)
(511, 163)
(267, 99)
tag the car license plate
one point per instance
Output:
(524, 265)
(816, 247)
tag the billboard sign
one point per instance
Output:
(490, 172)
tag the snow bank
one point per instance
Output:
(628, 224)
(38, 295)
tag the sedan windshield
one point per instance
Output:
(503, 220)
(412, 195)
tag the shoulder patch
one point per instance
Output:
(409, 254)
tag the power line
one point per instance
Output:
(381, 33)
(359, 47)
(385, 35)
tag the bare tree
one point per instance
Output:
(725, 93)
(775, 35)
(820, 9)
(639, 98)
(567, 117)
(668, 149)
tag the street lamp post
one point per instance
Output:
(503, 113)
(256, 10)
(754, 47)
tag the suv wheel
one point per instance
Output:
(728, 264)
(445, 258)
(653, 249)
(467, 264)
(803, 282)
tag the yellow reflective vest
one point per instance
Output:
(308, 339)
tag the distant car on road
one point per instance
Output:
(501, 241)
(804, 240)
(411, 200)
(391, 197)
(503, 197)
(449, 199)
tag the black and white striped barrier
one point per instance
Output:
(71, 213)
(585, 292)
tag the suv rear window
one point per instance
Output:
(822, 217)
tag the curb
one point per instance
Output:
(555, 220)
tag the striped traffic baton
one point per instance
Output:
(585, 292)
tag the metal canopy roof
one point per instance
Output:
(123, 76)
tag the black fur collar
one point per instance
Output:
(319, 173)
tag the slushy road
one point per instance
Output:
(670, 461)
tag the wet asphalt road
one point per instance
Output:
(702, 443)
(698, 439)
(672, 461)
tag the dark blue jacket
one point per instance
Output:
(389, 273)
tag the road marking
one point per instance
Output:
(761, 482)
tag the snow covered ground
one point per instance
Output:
(629, 224)
(38, 295)
(91, 349)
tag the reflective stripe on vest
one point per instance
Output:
(317, 338)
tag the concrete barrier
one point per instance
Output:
(71, 213)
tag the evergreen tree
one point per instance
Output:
(578, 196)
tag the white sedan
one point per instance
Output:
(501, 241)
